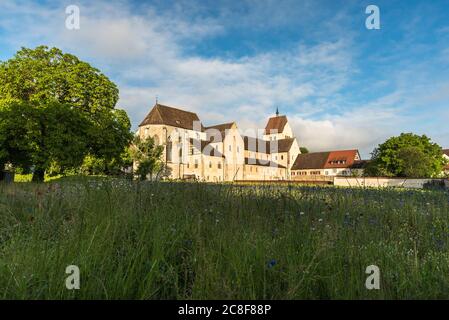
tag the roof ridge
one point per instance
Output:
(220, 124)
(176, 108)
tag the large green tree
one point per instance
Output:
(71, 106)
(407, 155)
(15, 146)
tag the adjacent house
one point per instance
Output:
(219, 152)
(446, 156)
(329, 163)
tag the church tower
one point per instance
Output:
(277, 128)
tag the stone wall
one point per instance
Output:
(382, 182)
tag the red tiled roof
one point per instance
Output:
(327, 160)
(161, 114)
(276, 123)
(341, 159)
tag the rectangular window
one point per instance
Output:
(219, 165)
(230, 148)
(196, 164)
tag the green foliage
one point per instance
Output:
(147, 156)
(162, 240)
(58, 135)
(65, 110)
(44, 75)
(407, 155)
(99, 166)
(14, 127)
(304, 150)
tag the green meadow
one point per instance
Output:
(168, 240)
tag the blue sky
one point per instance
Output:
(341, 85)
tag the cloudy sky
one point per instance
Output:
(341, 85)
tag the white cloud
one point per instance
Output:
(149, 54)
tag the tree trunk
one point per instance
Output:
(38, 175)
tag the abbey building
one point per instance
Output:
(220, 153)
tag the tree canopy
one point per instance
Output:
(147, 155)
(303, 150)
(60, 110)
(407, 155)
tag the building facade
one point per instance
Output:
(220, 153)
(328, 164)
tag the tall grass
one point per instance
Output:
(197, 241)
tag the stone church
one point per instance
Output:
(220, 153)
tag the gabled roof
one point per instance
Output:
(315, 160)
(256, 145)
(206, 148)
(284, 145)
(267, 146)
(161, 114)
(220, 127)
(263, 163)
(328, 160)
(276, 123)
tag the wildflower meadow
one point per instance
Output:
(168, 240)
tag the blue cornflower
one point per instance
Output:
(271, 263)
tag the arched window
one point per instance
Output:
(156, 140)
(169, 151)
